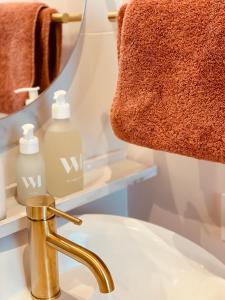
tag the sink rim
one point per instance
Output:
(214, 262)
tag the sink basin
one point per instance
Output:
(146, 262)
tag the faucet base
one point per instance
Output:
(51, 298)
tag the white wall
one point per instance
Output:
(184, 197)
(92, 92)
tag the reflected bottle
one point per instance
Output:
(63, 151)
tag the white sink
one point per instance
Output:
(146, 262)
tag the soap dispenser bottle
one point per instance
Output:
(30, 169)
(63, 151)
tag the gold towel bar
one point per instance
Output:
(112, 16)
(67, 18)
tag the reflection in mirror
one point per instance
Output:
(36, 41)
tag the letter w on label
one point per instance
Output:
(34, 182)
(71, 164)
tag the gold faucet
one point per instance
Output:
(44, 243)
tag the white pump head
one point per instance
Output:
(61, 108)
(32, 91)
(29, 143)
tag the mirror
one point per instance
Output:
(38, 112)
(59, 48)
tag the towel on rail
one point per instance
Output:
(170, 93)
(30, 50)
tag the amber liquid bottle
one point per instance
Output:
(63, 151)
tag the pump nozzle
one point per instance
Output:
(28, 131)
(32, 91)
(29, 143)
(59, 96)
(61, 108)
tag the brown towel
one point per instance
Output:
(170, 93)
(30, 50)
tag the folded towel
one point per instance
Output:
(170, 93)
(30, 50)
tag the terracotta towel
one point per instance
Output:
(30, 50)
(170, 93)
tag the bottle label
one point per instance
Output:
(72, 164)
(33, 182)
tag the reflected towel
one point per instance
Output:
(30, 51)
(170, 93)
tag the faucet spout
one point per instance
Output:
(84, 256)
(44, 242)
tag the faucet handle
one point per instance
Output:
(64, 215)
(42, 208)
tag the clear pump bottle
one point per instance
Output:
(30, 169)
(63, 151)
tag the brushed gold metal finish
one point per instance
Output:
(61, 214)
(112, 16)
(86, 257)
(66, 18)
(53, 298)
(44, 243)
(38, 208)
(43, 261)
